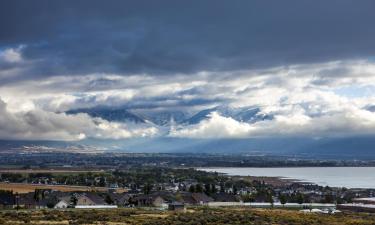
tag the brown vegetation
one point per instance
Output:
(193, 216)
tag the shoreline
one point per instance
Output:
(362, 178)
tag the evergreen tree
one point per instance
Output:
(222, 187)
(283, 199)
(235, 190)
(300, 198)
(207, 188)
(213, 188)
(270, 199)
(108, 199)
(198, 188)
(147, 188)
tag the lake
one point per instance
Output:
(350, 177)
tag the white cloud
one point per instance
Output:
(304, 100)
(216, 126)
(295, 123)
(41, 125)
(11, 55)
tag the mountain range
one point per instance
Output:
(359, 147)
(164, 118)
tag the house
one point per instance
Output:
(201, 198)
(357, 207)
(91, 200)
(113, 187)
(26, 201)
(50, 198)
(46, 203)
(176, 206)
(364, 200)
(189, 198)
(149, 200)
(40, 199)
(62, 204)
(120, 199)
(224, 197)
(156, 199)
(7, 199)
(171, 187)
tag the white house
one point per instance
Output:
(62, 204)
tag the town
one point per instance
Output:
(161, 187)
(152, 188)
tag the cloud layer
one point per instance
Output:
(308, 64)
(169, 37)
(354, 121)
(317, 100)
(42, 125)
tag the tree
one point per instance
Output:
(179, 197)
(300, 198)
(328, 198)
(235, 190)
(270, 199)
(222, 187)
(207, 188)
(192, 188)
(108, 199)
(147, 188)
(283, 199)
(213, 188)
(102, 182)
(38, 195)
(50, 205)
(247, 198)
(73, 200)
(198, 188)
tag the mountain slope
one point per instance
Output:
(110, 114)
(164, 118)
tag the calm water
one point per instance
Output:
(350, 177)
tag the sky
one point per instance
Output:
(309, 64)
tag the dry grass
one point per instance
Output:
(26, 188)
(217, 216)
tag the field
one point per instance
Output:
(60, 171)
(193, 216)
(25, 188)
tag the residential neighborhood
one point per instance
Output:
(179, 188)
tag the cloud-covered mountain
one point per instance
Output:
(165, 118)
(244, 114)
(110, 114)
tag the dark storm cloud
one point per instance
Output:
(167, 37)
